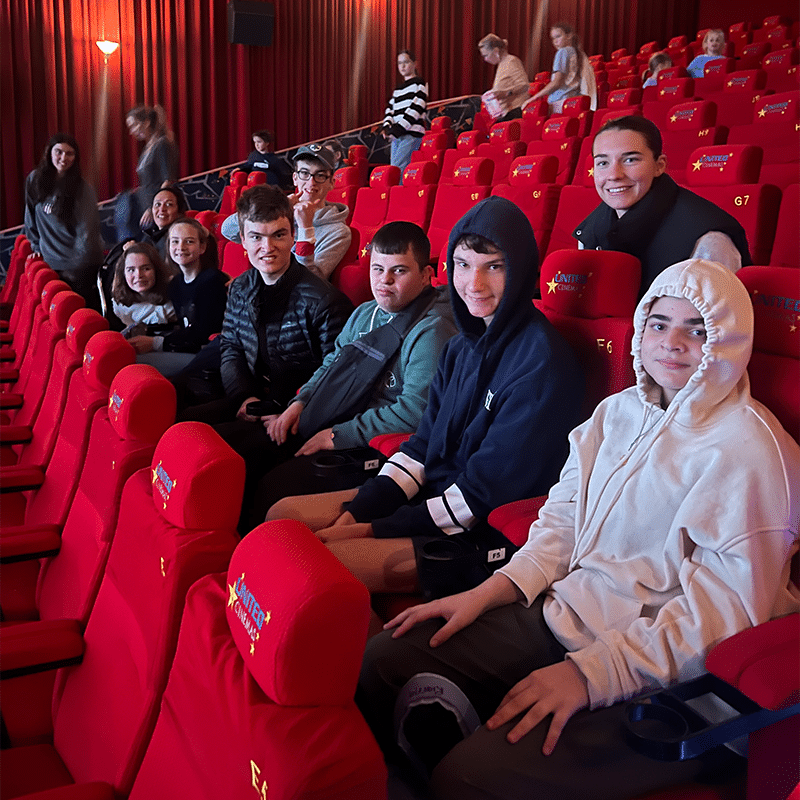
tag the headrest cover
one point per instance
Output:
(434, 141)
(650, 47)
(62, 307)
(357, 152)
(573, 106)
(617, 54)
(777, 108)
(739, 26)
(238, 178)
(756, 50)
(532, 170)
(82, 325)
(473, 172)
(469, 140)
(746, 80)
(105, 355)
(198, 479)
(505, 132)
(50, 290)
(678, 41)
(588, 171)
(297, 615)
(609, 115)
(538, 108)
(384, 177)
(256, 178)
(421, 173)
(346, 176)
(780, 58)
(626, 61)
(776, 303)
(443, 123)
(624, 97)
(724, 165)
(36, 265)
(670, 73)
(772, 20)
(675, 88)
(692, 116)
(590, 284)
(560, 128)
(778, 33)
(719, 66)
(141, 403)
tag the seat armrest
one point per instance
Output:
(20, 479)
(27, 542)
(38, 646)
(15, 434)
(9, 400)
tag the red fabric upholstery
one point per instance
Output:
(346, 182)
(602, 117)
(234, 260)
(559, 138)
(574, 205)
(531, 188)
(472, 181)
(742, 89)
(23, 305)
(687, 127)
(514, 520)
(22, 249)
(786, 248)
(781, 69)
(389, 443)
(590, 297)
(534, 116)
(503, 147)
(715, 74)
(580, 108)
(466, 146)
(248, 705)
(774, 367)
(669, 92)
(775, 126)
(432, 146)
(413, 201)
(104, 709)
(444, 125)
(256, 178)
(727, 175)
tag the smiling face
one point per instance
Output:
(480, 280)
(185, 247)
(140, 274)
(672, 344)
(269, 246)
(165, 209)
(624, 168)
(405, 66)
(63, 157)
(306, 180)
(396, 280)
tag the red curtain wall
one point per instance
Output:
(331, 68)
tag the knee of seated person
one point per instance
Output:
(460, 776)
(286, 508)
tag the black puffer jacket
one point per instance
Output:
(302, 316)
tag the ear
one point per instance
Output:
(661, 164)
(427, 272)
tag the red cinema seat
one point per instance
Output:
(22, 249)
(531, 186)
(432, 147)
(774, 366)
(579, 107)
(358, 157)
(503, 147)
(714, 75)
(603, 116)
(742, 90)
(176, 523)
(346, 183)
(466, 147)
(560, 139)
(472, 184)
(444, 125)
(230, 194)
(687, 127)
(256, 178)
(670, 92)
(22, 299)
(781, 67)
(534, 116)
(234, 260)
(646, 51)
(776, 129)
(413, 201)
(247, 661)
(574, 205)
(32, 436)
(786, 248)
(727, 175)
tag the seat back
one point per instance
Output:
(687, 127)
(247, 660)
(774, 367)
(413, 201)
(234, 260)
(786, 248)
(741, 91)
(590, 297)
(177, 522)
(19, 323)
(22, 249)
(670, 92)
(579, 107)
(372, 203)
(124, 434)
(782, 70)
(346, 183)
(444, 125)
(559, 138)
(357, 156)
(503, 147)
(728, 176)
(534, 117)
(575, 203)
(432, 147)
(466, 146)
(714, 75)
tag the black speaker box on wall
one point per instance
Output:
(250, 22)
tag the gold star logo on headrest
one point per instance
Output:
(363, 251)
(673, 118)
(232, 596)
(551, 286)
(697, 164)
(515, 172)
(763, 112)
(591, 171)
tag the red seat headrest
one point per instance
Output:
(574, 106)
(256, 178)
(677, 41)
(719, 66)
(774, 108)
(238, 179)
(62, 307)
(626, 61)
(346, 176)
(724, 165)
(622, 112)
(292, 608)
(746, 80)
(433, 141)
(505, 132)
(50, 290)
(675, 88)
(357, 152)
(587, 174)
(670, 73)
(197, 478)
(650, 47)
(775, 293)
(141, 403)
(780, 59)
(692, 116)
(469, 140)
(531, 170)
(618, 54)
(560, 128)
(443, 123)
(105, 355)
(621, 98)
(772, 20)
(82, 325)
(384, 177)
(738, 27)
(473, 172)
(590, 284)
(421, 173)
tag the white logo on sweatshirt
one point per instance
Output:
(488, 401)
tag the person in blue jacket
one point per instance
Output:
(506, 393)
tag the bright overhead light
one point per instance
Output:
(107, 47)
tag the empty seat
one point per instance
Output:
(346, 183)
(579, 107)
(432, 148)
(230, 194)
(444, 125)
(786, 249)
(357, 156)
(466, 147)
(714, 75)
(574, 205)
(687, 127)
(742, 90)
(248, 662)
(413, 201)
(781, 67)
(234, 259)
(560, 139)
(503, 147)
(670, 93)
(728, 176)
(534, 116)
(601, 117)
(176, 523)
(531, 186)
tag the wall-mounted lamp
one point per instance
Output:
(106, 47)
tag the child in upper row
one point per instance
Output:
(713, 48)
(262, 159)
(657, 62)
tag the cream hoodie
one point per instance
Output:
(669, 530)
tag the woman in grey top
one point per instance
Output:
(61, 220)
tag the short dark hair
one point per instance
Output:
(477, 243)
(177, 193)
(412, 57)
(123, 293)
(395, 238)
(263, 203)
(649, 130)
(267, 136)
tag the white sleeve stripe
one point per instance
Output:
(407, 473)
(441, 516)
(459, 509)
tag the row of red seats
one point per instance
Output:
(167, 498)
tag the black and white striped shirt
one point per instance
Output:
(405, 114)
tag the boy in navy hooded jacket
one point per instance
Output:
(507, 392)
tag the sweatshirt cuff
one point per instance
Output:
(376, 498)
(158, 343)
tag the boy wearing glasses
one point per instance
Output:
(321, 232)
